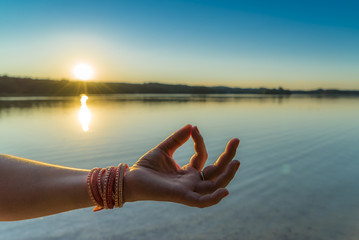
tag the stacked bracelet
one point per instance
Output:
(106, 192)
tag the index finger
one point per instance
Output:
(177, 139)
(199, 158)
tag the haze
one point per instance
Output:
(295, 45)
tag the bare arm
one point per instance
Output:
(30, 189)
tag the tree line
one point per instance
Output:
(16, 86)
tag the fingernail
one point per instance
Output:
(237, 166)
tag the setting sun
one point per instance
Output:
(83, 71)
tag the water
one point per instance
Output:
(298, 177)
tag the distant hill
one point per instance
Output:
(328, 92)
(15, 86)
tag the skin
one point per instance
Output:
(30, 189)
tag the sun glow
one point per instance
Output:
(84, 114)
(83, 71)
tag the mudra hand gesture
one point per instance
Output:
(157, 176)
(30, 189)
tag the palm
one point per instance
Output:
(157, 176)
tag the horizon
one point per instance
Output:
(245, 44)
(170, 83)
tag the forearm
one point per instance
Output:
(30, 189)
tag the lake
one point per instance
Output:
(299, 174)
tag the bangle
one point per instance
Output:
(94, 188)
(99, 181)
(104, 190)
(120, 204)
(107, 192)
(89, 189)
(117, 185)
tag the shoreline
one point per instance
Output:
(28, 87)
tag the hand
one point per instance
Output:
(157, 176)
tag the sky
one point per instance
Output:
(292, 44)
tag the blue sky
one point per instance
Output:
(293, 44)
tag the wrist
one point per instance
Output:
(126, 186)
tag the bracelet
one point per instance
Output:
(106, 192)
(89, 190)
(117, 185)
(110, 184)
(95, 189)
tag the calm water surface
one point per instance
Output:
(299, 177)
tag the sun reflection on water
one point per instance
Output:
(84, 114)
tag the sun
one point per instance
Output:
(83, 71)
